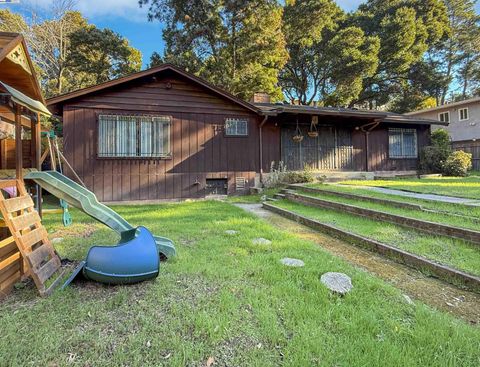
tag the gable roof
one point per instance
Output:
(444, 106)
(144, 73)
(16, 67)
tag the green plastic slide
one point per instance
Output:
(85, 200)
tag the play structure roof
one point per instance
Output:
(16, 67)
(24, 100)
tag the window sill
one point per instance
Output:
(166, 158)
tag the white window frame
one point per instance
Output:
(460, 114)
(235, 132)
(402, 155)
(138, 143)
(447, 113)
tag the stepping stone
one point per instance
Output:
(292, 262)
(261, 241)
(337, 282)
(56, 240)
(231, 232)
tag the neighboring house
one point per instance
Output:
(464, 124)
(163, 133)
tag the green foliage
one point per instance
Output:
(434, 156)
(406, 30)
(237, 45)
(68, 53)
(328, 57)
(101, 54)
(279, 176)
(458, 163)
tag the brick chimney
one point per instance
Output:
(260, 97)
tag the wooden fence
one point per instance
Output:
(472, 147)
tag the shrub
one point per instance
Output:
(434, 156)
(279, 176)
(457, 164)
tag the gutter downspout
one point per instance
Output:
(260, 137)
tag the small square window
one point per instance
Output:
(463, 114)
(444, 116)
(236, 127)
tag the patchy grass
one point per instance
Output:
(225, 298)
(446, 218)
(456, 253)
(465, 187)
(251, 199)
(460, 209)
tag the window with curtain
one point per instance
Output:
(402, 143)
(133, 136)
(236, 127)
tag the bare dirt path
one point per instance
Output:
(433, 292)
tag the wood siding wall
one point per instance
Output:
(378, 150)
(200, 150)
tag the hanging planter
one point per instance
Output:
(313, 133)
(298, 136)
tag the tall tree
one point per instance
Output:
(49, 36)
(236, 44)
(406, 29)
(100, 55)
(328, 59)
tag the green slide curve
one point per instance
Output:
(85, 200)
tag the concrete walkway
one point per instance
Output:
(434, 292)
(416, 195)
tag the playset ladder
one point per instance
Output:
(31, 237)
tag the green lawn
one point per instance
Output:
(470, 211)
(469, 222)
(225, 298)
(465, 187)
(456, 253)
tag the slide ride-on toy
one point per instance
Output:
(135, 258)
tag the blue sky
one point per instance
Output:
(128, 19)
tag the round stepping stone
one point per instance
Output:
(292, 262)
(261, 241)
(231, 232)
(337, 282)
(56, 240)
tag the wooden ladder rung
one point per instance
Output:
(31, 238)
(47, 270)
(40, 256)
(25, 221)
(19, 203)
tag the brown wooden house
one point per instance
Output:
(163, 133)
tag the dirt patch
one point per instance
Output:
(440, 295)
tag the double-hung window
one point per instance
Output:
(122, 136)
(236, 127)
(444, 116)
(402, 143)
(463, 114)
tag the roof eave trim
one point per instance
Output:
(144, 73)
